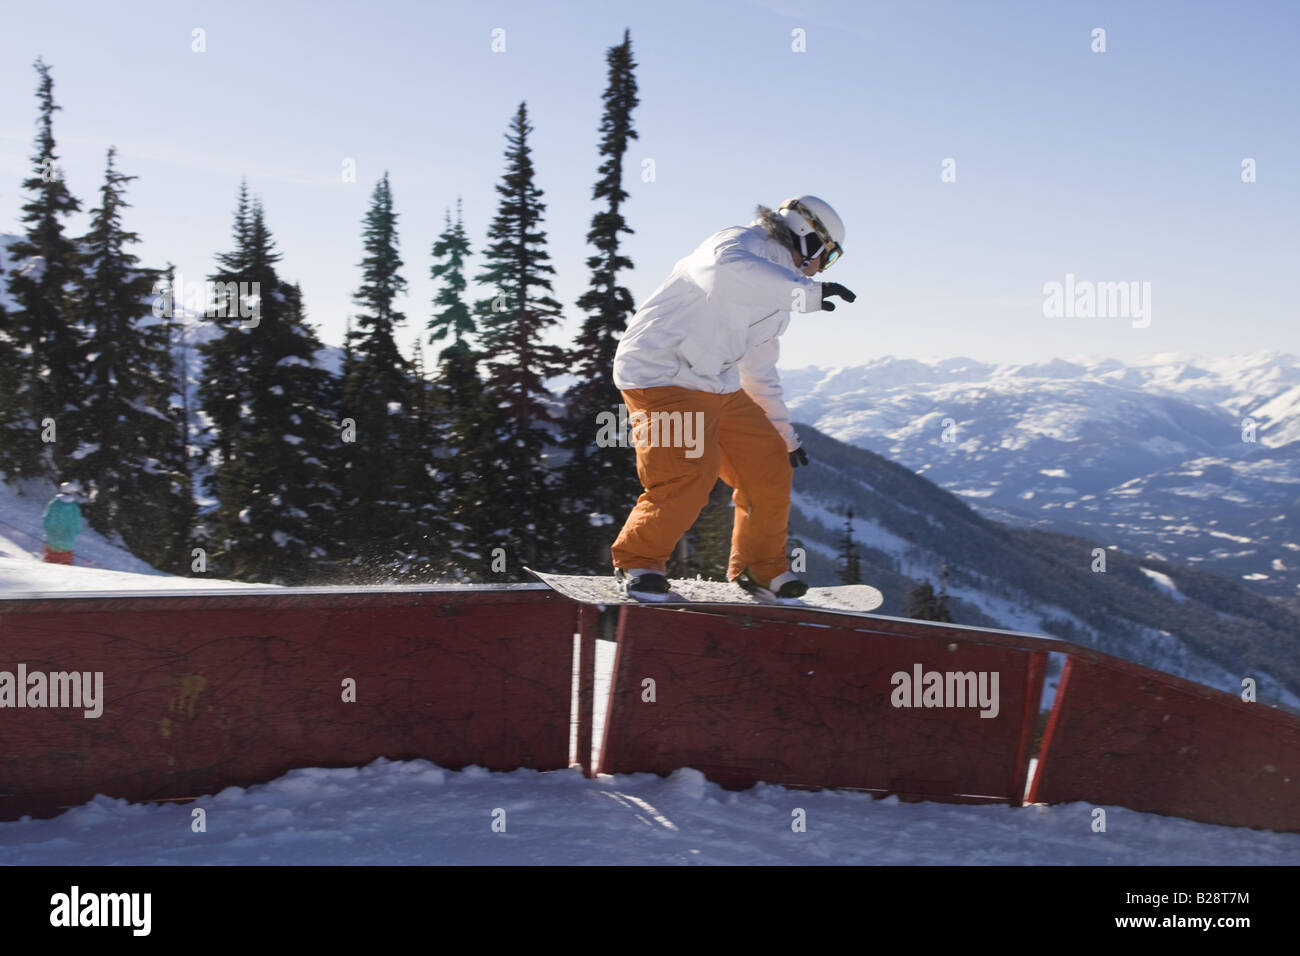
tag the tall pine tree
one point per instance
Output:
(132, 468)
(181, 378)
(601, 483)
(424, 528)
(51, 347)
(272, 426)
(381, 526)
(225, 361)
(464, 431)
(518, 362)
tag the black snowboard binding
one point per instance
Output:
(788, 587)
(642, 584)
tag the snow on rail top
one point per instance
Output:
(268, 590)
(264, 590)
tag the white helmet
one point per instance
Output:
(813, 219)
(70, 488)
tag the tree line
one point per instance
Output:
(286, 470)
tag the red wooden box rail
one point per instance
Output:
(752, 695)
(787, 696)
(234, 688)
(1120, 734)
(204, 692)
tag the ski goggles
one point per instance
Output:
(829, 248)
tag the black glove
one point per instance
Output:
(798, 457)
(834, 288)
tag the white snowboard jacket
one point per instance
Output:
(714, 324)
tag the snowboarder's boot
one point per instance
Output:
(784, 588)
(642, 584)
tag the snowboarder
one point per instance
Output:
(705, 345)
(62, 522)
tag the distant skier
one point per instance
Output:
(62, 523)
(704, 347)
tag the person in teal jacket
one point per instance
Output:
(62, 522)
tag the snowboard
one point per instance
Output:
(603, 589)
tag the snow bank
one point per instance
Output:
(100, 565)
(416, 813)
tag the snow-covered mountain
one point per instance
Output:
(1177, 458)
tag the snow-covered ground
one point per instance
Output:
(415, 813)
(99, 564)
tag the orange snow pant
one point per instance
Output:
(679, 460)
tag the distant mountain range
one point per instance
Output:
(1148, 456)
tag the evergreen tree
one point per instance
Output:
(850, 562)
(602, 481)
(15, 431)
(466, 424)
(375, 395)
(523, 505)
(348, 365)
(181, 377)
(131, 465)
(374, 343)
(452, 247)
(708, 543)
(424, 530)
(924, 605)
(50, 345)
(921, 602)
(941, 600)
(224, 388)
(270, 436)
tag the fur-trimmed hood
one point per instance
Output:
(775, 226)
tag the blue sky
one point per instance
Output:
(1115, 166)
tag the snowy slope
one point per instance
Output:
(101, 565)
